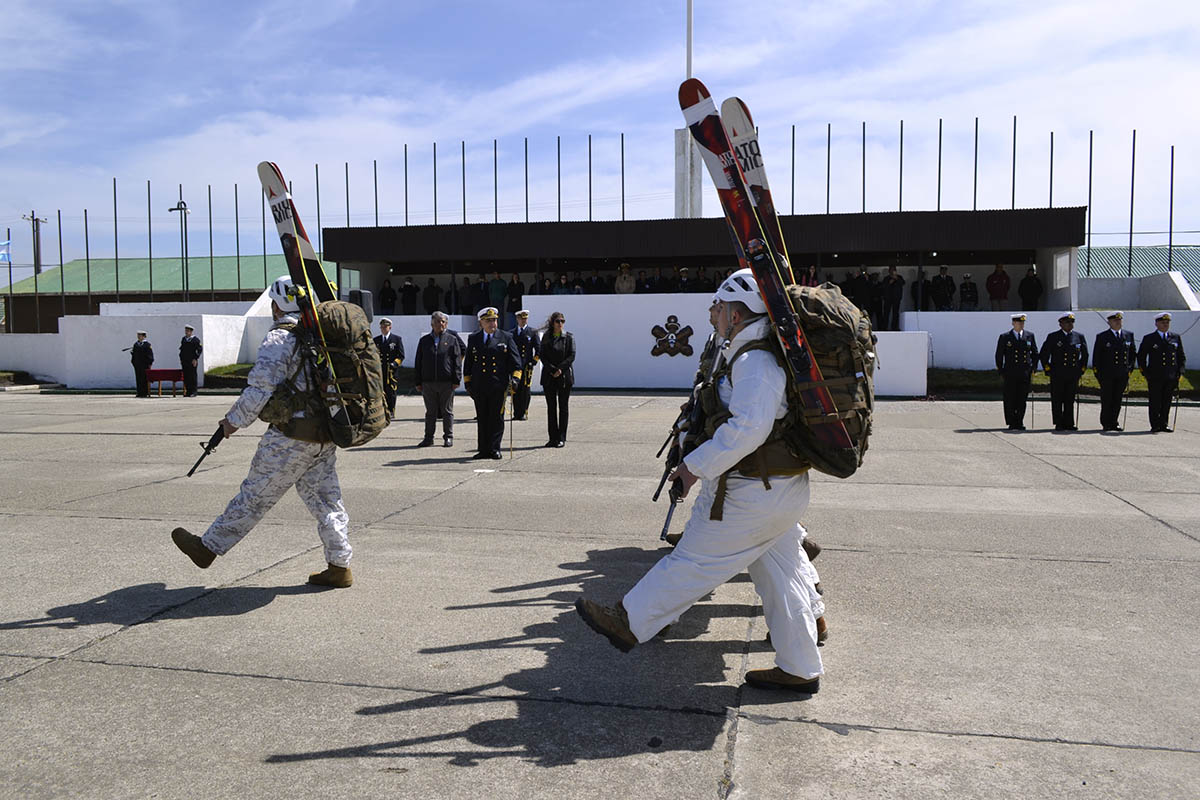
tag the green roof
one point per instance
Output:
(1114, 262)
(135, 275)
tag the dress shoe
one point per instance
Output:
(775, 678)
(334, 576)
(551, 443)
(1072, 427)
(561, 443)
(425, 443)
(193, 547)
(811, 548)
(611, 623)
(448, 441)
(1018, 427)
(482, 454)
(497, 456)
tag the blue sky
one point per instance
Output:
(199, 93)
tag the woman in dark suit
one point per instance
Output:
(558, 376)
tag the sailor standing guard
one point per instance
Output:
(391, 356)
(1064, 358)
(528, 346)
(1161, 359)
(1016, 359)
(492, 365)
(142, 357)
(1113, 356)
(190, 349)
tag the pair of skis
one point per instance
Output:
(311, 282)
(729, 145)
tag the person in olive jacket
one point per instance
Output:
(558, 376)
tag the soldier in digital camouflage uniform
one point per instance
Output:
(303, 458)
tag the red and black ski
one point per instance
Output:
(700, 114)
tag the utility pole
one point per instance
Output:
(37, 241)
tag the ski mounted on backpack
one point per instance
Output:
(310, 280)
(764, 259)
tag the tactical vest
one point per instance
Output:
(772, 457)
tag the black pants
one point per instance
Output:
(143, 385)
(189, 377)
(1062, 399)
(1112, 392)
(521, 402)
(1162, 392)
(557, 411)
(489, 411)
(1016, 390)
(891, 315)
(439, 403)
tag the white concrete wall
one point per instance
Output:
(968, 341)
(173, 309)
(1167, 290)
(1119, 293)
(900, 369)
(39, 354)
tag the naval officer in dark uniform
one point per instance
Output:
(492, 366)
(1113, 356)
(1064, 358)
(1016, 358)
(1161, 359)
(190, 349)
(391, 356)
(142, 357)
(529, 346)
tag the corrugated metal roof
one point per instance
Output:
(1114, 262)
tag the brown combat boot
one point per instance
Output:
(673, 538)
(611, 623)
(775, 678)
(332, 575)
(193, 547)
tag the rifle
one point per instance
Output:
(691, 418)
(211, 445)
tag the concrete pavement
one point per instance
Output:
(1011, 614)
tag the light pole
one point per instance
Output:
(182, 208)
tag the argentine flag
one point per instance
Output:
(6, 252)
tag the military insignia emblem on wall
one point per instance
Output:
(670, 339)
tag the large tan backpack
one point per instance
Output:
(354, 359)
(839, 336)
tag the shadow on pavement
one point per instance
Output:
(135, 604)
(587, 701)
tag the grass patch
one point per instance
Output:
(950, 382)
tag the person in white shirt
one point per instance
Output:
(737, 523)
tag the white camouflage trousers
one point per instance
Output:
(280, 463)
(760, 532)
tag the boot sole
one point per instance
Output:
(180, 537)
(800, 688)
(616, 642)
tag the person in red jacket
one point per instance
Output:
(997, 288)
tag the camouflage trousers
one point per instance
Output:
(279, 464)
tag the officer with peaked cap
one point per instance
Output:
(1161, 359)
(1016, 359)
(141, 356)
(391, 356)
(491, 366)
(1113, 356)
(190, 349)
(1064, 357)
(529, 347)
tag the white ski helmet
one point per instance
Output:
(284, 293)
(742, 287)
